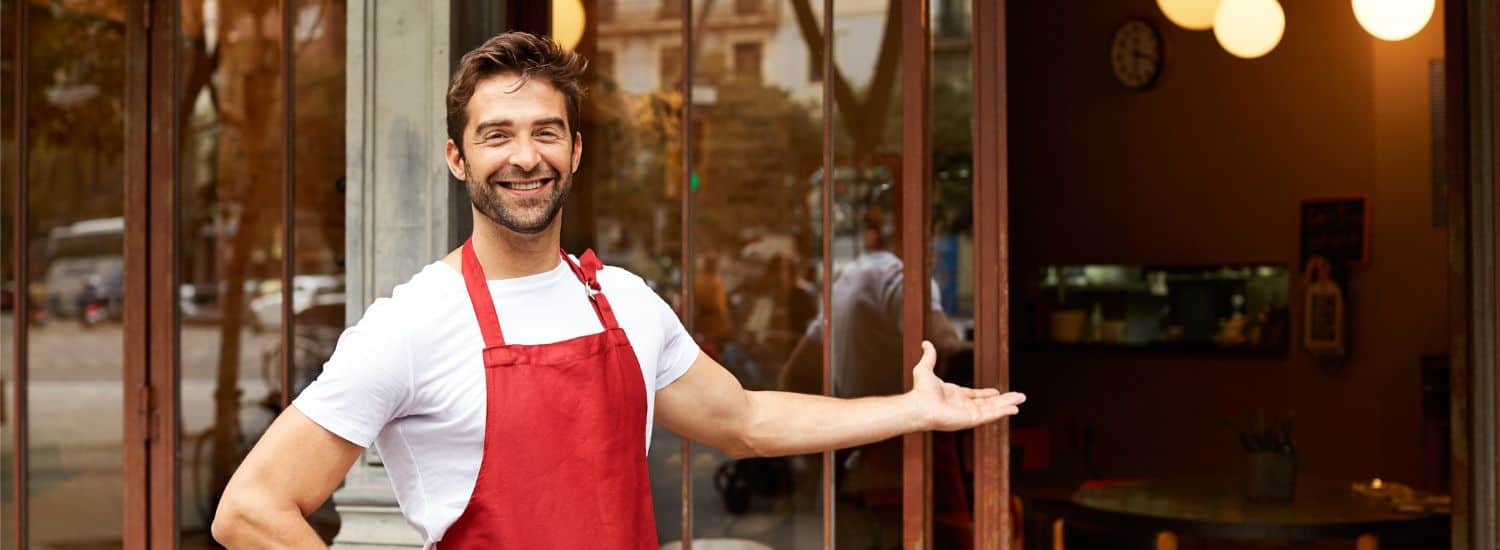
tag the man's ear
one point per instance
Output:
(455, 157)
(577, 150)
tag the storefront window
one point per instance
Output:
(75, 240)
(756, 243)
(231, 234)
(951, 260)
(628, 201)
(866, 324)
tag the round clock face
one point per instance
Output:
(1135, 54)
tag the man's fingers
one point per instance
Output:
(1000, 405)
(982, 393)
(977, 393)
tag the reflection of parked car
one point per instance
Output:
(307, 291)
(202, 302)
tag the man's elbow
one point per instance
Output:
(227, 523)
(232, 520)
(742, 450)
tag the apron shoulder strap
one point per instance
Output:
(479, 297)
(587, 269)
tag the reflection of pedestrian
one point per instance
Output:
(868, 324)
(866, 340)
(710, 306)
(802, 307)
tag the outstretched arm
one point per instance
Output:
(707, 404)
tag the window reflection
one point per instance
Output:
(628, 203)
(951, 256)
(756, 242)
(233, 138)
(75, 135)
(318, 176)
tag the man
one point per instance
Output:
(509, 387)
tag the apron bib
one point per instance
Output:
(564, 463)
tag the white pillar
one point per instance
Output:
(398, 200)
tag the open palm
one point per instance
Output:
(949, 407)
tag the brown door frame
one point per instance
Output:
(1472, 161)
(992, 502)
(1476, 428)
(915, 209)
(22, 295)
(137, 399)
(151, 276)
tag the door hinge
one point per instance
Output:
(146, 14)
(146, 409)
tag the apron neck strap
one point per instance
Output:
(479, 297)
(587, 269)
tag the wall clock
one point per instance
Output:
(1135, 54)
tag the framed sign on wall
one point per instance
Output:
(1337, 229)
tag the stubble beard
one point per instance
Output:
(528, 216)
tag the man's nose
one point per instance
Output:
(526, 156)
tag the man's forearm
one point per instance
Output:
(782, 423)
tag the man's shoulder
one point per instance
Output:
(408, 303)
(626, 289)
(619, 278)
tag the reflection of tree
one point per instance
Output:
(238, 201)
(952, 160)
(757, 149)
(864, 119)
(75, 119)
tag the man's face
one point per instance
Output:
(518, 154)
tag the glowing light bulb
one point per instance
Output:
(1249, 28)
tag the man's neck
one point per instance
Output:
(506, 254)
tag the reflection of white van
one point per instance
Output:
(71, 281)
(84, 262)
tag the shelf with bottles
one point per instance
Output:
(1236, 308)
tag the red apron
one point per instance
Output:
(564, 444)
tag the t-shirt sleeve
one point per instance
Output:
(678, 350)
(366, 383)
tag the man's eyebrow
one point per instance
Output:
(492, 124)
(551, 121)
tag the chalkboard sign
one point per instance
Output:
(1336, 229)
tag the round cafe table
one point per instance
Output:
(1218, 509)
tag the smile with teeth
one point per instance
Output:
(527, 185)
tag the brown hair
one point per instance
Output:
(522, 53)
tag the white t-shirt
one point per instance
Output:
(409, 376)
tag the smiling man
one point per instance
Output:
(510, 387)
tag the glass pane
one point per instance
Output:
(867, 290)
(75, 132)
(230, 211)
(7, 274)
(628, 201)
(318, 176)
(757, 248)
(951, 260)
